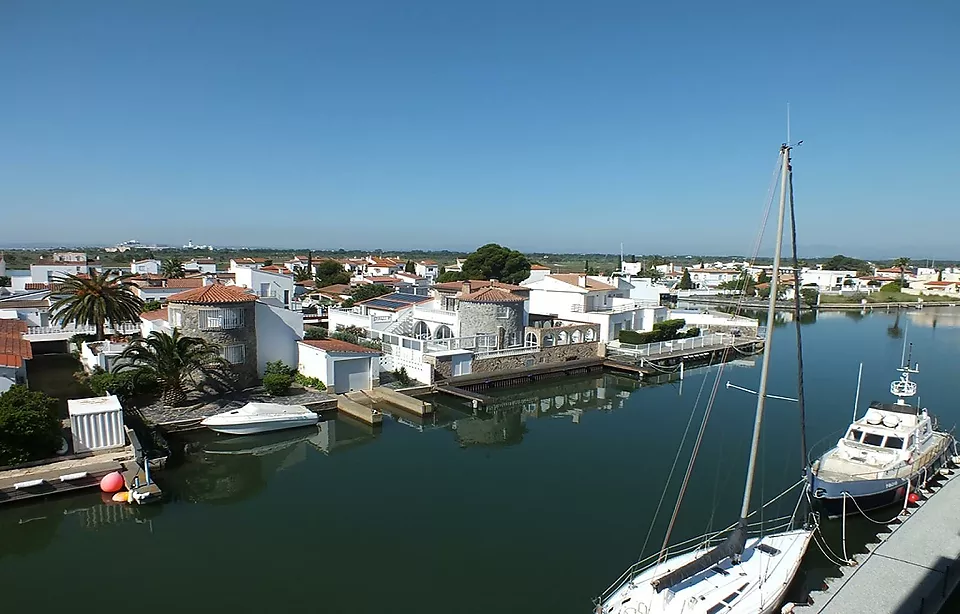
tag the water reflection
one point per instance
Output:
(934, 317)
(220, 469)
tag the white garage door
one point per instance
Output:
(353, 374)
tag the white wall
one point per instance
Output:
(318, 363)
(151, 267)
(278, 331)
(277, 284)
(202, 267)
(43, 273)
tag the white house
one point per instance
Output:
(631, 268)
(341, 366)
(156, 288)
(415, 284)
(711, 278)
(15, 351)
(456, 267)
(267, 285)
(590, 299)
(46, 270)
(428, 269)
(278, 331)
(201, 265)
(150, 266)
(382, 267)
(537, 272)
(827, 280)
(246, 263)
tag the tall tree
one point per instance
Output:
(763, 278)
(301, 273)
(410, 267)
(176, 362)
(901, 263)
(331, 272)
(685, 282)
(29, 426)
(98, 299)
(493, 261)
(172, 267)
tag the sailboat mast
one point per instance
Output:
(771, 314)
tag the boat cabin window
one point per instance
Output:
(910, 441)
(854, 434)
(894, 443)
(872, 439)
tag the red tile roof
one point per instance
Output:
(35, 286)
(276, 269)
(381, 280)
(940, 283)
(213, 294)
(186, 282)
(476, 284)
(201, 261)
(335, 345)
(156, 314)
(428, 262)
(491, 295)
(14, 349)
(248, 260)
(336, 289)
(539, 267)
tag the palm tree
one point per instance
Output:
(97, 299)
(176, 362)
(172, 267)
(901, 263)
(301, 273)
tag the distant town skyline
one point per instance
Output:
(560, 128)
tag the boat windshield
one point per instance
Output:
(895, 443)
(872, 439)
(854, 434)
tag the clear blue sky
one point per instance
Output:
(546, 126)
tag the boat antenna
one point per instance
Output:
(856, 399)
(771, 320)
(796, 311)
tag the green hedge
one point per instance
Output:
(662, 331)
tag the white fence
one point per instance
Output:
(677, 345)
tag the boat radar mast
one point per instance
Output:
(903, 387)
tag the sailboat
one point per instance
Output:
(890, 450)
(743, 573)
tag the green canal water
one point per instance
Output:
(535, 508)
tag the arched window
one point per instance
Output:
(421, 330)
(531, 340)
(548, 340)
(576, 337)
(443, 332)
(590, 335)
(562, 338)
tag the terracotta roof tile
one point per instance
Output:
(476, 284)
(492, 295)
(539, 267)
(248, 260)
(24, 304)
(186, 282)
(335, 289)
(156, 314)
(213, 294)
(335, 345)
(14, 349)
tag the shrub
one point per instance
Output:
(314, 332)
(893, 286)
(29, 426)
(279, 367)
(277, 384)
(309, 382)
(662, 331)
(151, 305)
(693, 332)
(125, 384)
(402, 376)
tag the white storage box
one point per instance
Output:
(96, 424)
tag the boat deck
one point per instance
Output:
(913, 569)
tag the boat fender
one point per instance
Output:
(910, 458)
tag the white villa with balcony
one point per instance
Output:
(593, 299)
(200, 265)
(270, 286)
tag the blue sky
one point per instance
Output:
(560, 126)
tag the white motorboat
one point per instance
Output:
(261, 418)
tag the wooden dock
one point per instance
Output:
(665, 357)
(473, 397)
(913, 568)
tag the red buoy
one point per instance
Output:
(913, 497)
(112, 482)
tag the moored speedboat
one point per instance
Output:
(260, 418)
(892, 450)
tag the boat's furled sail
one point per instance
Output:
(731, 546)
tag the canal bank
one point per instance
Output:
(537, 500)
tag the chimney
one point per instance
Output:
(493, 282)
(465, 287)
(582, 281)
(208, 280)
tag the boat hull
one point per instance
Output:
(252, 428)
(865, 495)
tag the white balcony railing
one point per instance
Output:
(124, 329)
(612, 308)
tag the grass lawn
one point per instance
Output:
(885, 297)
(53, 374)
